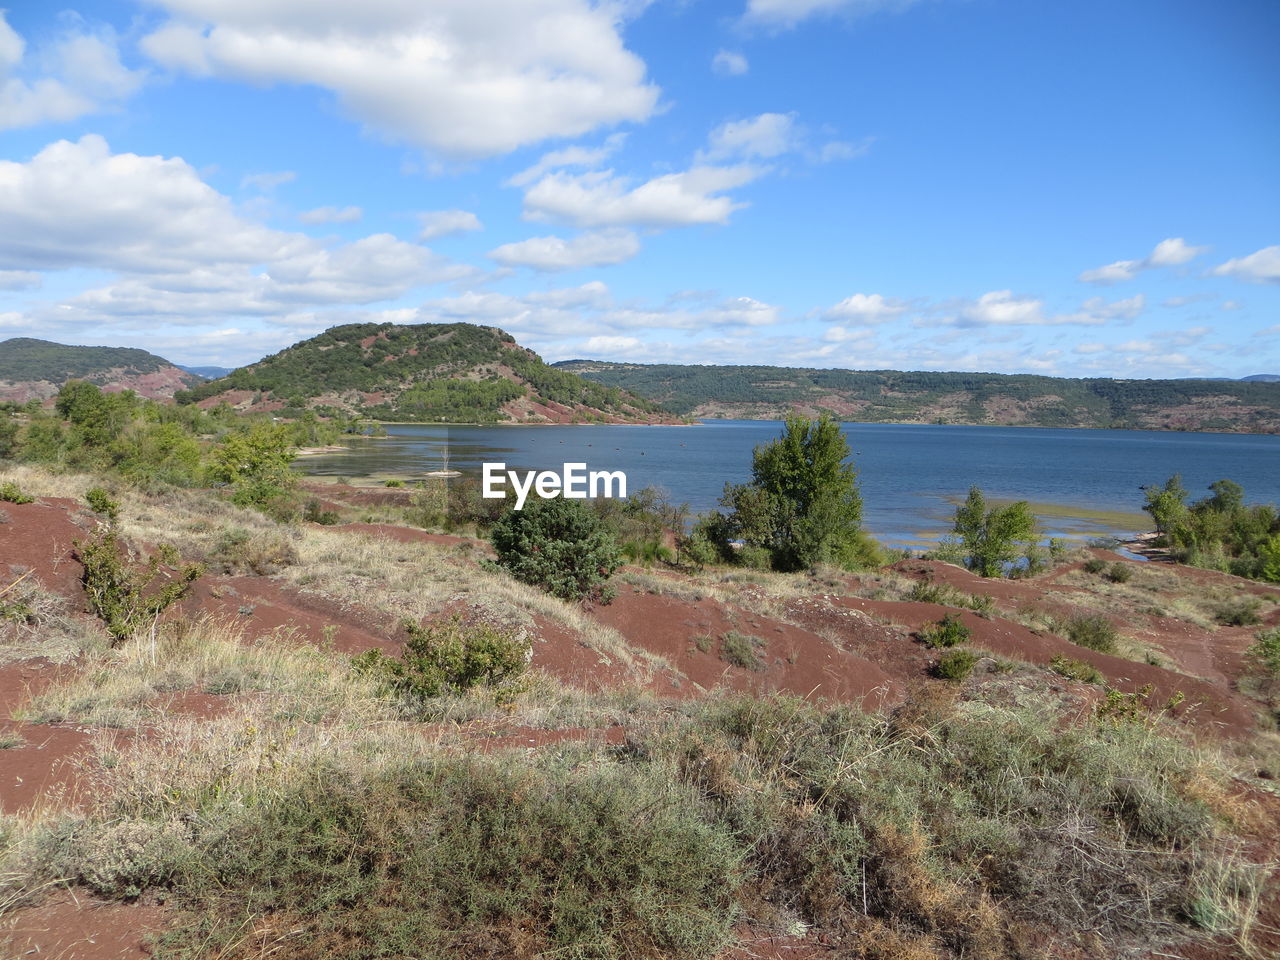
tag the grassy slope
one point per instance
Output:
(893, 396)
(307, 814)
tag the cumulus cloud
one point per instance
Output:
(595, 249)
(602, 199)
(865, 308)
(331, 215)
(443, 223)
(462, 78)
(1173, 252)
(728, 63)
(1260, 267)
(180, 247)
(82, 74)
(764, 137)
(1002, 308)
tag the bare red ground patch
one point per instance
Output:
(72, 925)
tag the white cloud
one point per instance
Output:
(182, 250)
(1173, 252)
(1260, 267)
(787, 13)
(764, 137)
(614, 346)
(601, 199)
(575, 156)
(463, 78)
(595, 249)
(729, 63)
(865, 308)
(331, 215)
(841, 334)
(83, 75)
(1001, 308)
(266, 182)
(443, 223)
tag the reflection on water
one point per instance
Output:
(911, 474)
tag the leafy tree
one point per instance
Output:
(996, 536)
(559, 545)
(802, 504)
(256, 463)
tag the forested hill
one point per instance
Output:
(888, 396)
(454, 373)
(33, 369)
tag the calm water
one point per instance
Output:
(911, 475)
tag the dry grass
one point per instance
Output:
(40, 623)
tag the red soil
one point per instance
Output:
(73, 926)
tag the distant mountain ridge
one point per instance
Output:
(207, 373)
(32, 369)
(454, 373)
(1251, 405)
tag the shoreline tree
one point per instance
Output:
(802, 505)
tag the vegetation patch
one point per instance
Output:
(742, 650)
(950, 631)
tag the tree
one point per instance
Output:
(558, 545)
(256, 463)
(802, 504)
(993, 537)
(1167, 505)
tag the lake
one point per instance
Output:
(1082, 482)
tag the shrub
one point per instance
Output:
(947, 632)
(263, 553)
(1265, 652)
(1075, 669)
(1239, 612)
(314, 512)
(558, 545)
(926, 591)
(458, 857)
(127, 597)
(100, 502)
(955, 664)
(742, 650)
(1092, 630)
(451, 657)
(1095, 565)
(10, 493)
(394, 483)
(1119, 572)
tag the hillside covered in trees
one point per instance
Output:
(457, 373)
(32, 369)
(888, 396)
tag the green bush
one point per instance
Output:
(10, 493)
(1092, 630)
(1239, 612)
(955, 664)
(947, 632)
(558, 545)
(451, 657)
(457, 857)
(742, 650)
(128, 597)
(1119, 572)
(314, 512)
(394, 483)
(1265, 652)
(100, 502)
(1095, 565)
(1075, 669)
(927, 591)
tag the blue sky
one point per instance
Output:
(1084, 189)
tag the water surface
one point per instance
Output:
(911, 475)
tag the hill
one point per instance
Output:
(33, 369)
(208, 373)
(455, 373)
(890, 396)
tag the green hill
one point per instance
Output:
(889, 396)
(32, 369)
(455, 373)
